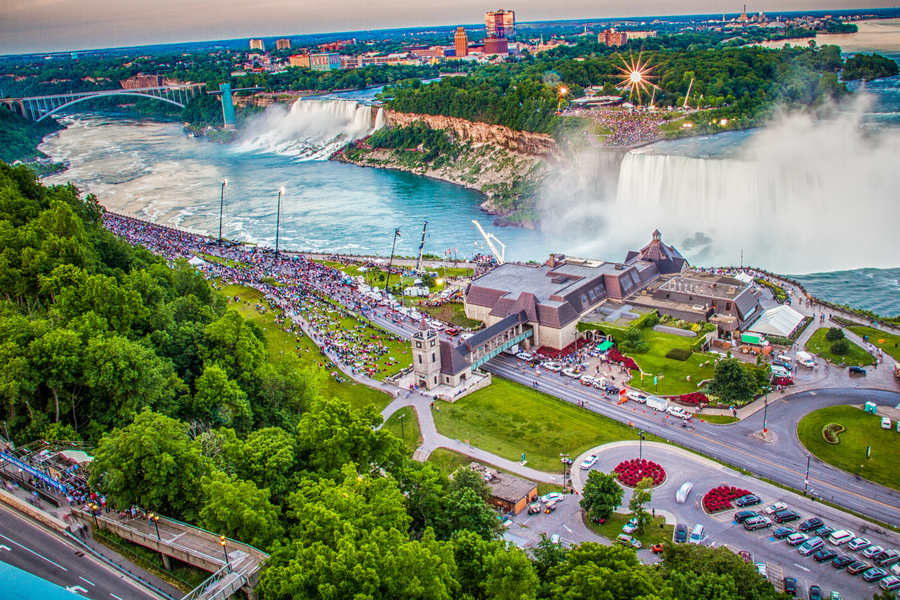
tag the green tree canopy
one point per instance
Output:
(731, 382)
(240, 510)
(602, 495)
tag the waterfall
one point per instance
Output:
(311, 129)
(819, 209)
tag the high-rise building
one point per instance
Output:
(257, 45)
(299, 60)
(611, 37)
(496, 45)
(501, 23)
(461, 40)
(283, 44)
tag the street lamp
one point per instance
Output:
(224, 549)
(155, 518)
(766, 416)
(641, 446)
(563, 458)
(222, 210)
(387, 286)
(278, 221)
(402, 432)
(806, 482)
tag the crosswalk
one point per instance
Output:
(776, 576)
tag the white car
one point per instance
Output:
(677, 411)
(555, 539)
(841, 536)
(572, 373)
(552, 497)
(588, 462)
(524, 356)
(774, 508)
(682, 493)
(437, 325)
(859, 544)
(873, 551)
(630, 526)
(552, 366)
(587, 380)
(761, 567)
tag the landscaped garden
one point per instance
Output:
(632, 472)
(721, 498)
(657, 532)
(510, 420)
(861, 430)
(854, 355)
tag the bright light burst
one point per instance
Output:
(636, 76)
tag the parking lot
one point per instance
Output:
(781, 559)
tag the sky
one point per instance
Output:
(31, 26)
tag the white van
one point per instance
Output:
(841, 536)
(779, 371)
(696, 534)
(805, 359)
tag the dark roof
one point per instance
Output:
(666, 258)
(452, 360)
(468, 346)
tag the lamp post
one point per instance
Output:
(387, 285)
(278, 221)
(224, 549)
(641, 446)
(222, 210)
(564, 458)
(402, 432)
(806, 481)
(766, 416)
(155, 518)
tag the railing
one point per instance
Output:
(203, 590)
(502, 347)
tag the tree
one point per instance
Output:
(150, 463)
(236, 345)
(465, 509)
(641, 496)
(510, 575)
(240, 510)
(609, 572)
(465, 477)
(697, 569)
(58, 358)
(840, 347)
(731, 382)
(266, 458)
(602, 495)
(834, 334)
(220, 400)
(547, 555)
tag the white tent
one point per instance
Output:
(747, 279)
(780, 321)
(196, 261)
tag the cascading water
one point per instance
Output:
(311, 129)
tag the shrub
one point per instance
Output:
(651, 319)
(840, 347)
(679, 354)
(834, 334)
(638, 347)
(830, 433)
(698, 398)
(632, 472)
(719, 499)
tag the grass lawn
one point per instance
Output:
(653, 534)
(509, 419)
(409, 432)
(452, 312)
(862, 430)
(817, 344)
(888, 342)
(356, 394)
(673, 373)
(448, 461)
(718, 419)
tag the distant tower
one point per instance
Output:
(257, 45)
(501, 23)
(426, 356)
(462, 42)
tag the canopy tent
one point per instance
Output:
(744, 277)
(604, 346)
(77, 456)
(196, 261)
(780, 321)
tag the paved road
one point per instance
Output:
(28, 547)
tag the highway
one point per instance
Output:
(27, 546)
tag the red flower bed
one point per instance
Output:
(616, 356)
(553, 353)
(718, 499)
(698, 398)
(783, 381)
(632, 472)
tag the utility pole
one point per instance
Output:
(221, 210)
(641, 446)
(806, 481)
(278, 221)
(402, 431)
(387, 285)
(564, 458)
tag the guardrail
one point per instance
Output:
(203, 590)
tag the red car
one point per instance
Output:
(452, 331)
(657, 548)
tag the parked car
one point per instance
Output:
(795, 539)
(571, 373)
(677, 411)
(835, 595)
(761, 567)
(552, 366)
(631, 526)
(453, 331)
(680, 533)
(748, 558)
(873, 551)
(696, 534)
(857, 567)
(774, 508)
(748, 500)
(858, 544)
(842, 560)
(611, 390)
(810, 546)
(589, 462)
(550, 506)
(551, 497)
(824, 531)
(627, 540)
(521, 355)
(743, 515)
(890, 583)
(782, 532)
(555, 539)
(854, 370)
(587, 380)
(534, 508)
(785, 516)
(887, 558)
(841, 536)
(815, 592)
(790, 586)
(637, 397)
(811, 524)
(824, 554)
(874, 574)
(757, 523)
(657, 548)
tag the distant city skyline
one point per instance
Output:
(36, 26)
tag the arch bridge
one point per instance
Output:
(38, 108)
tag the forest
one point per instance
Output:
(104, 342)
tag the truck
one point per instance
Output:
(657, 403)
(756, 339)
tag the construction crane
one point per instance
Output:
(490, 239)
(421, 248)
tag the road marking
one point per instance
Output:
(567, 528)
(76, 589)
(33, 552)
(801, 567)
(86, 581)
(7, 548)
(114, 596)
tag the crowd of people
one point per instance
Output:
(626, 126)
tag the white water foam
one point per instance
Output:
(311, 129)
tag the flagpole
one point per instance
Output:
(387, 286)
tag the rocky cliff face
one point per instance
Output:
(519, 142)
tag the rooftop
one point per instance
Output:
(505, 486)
